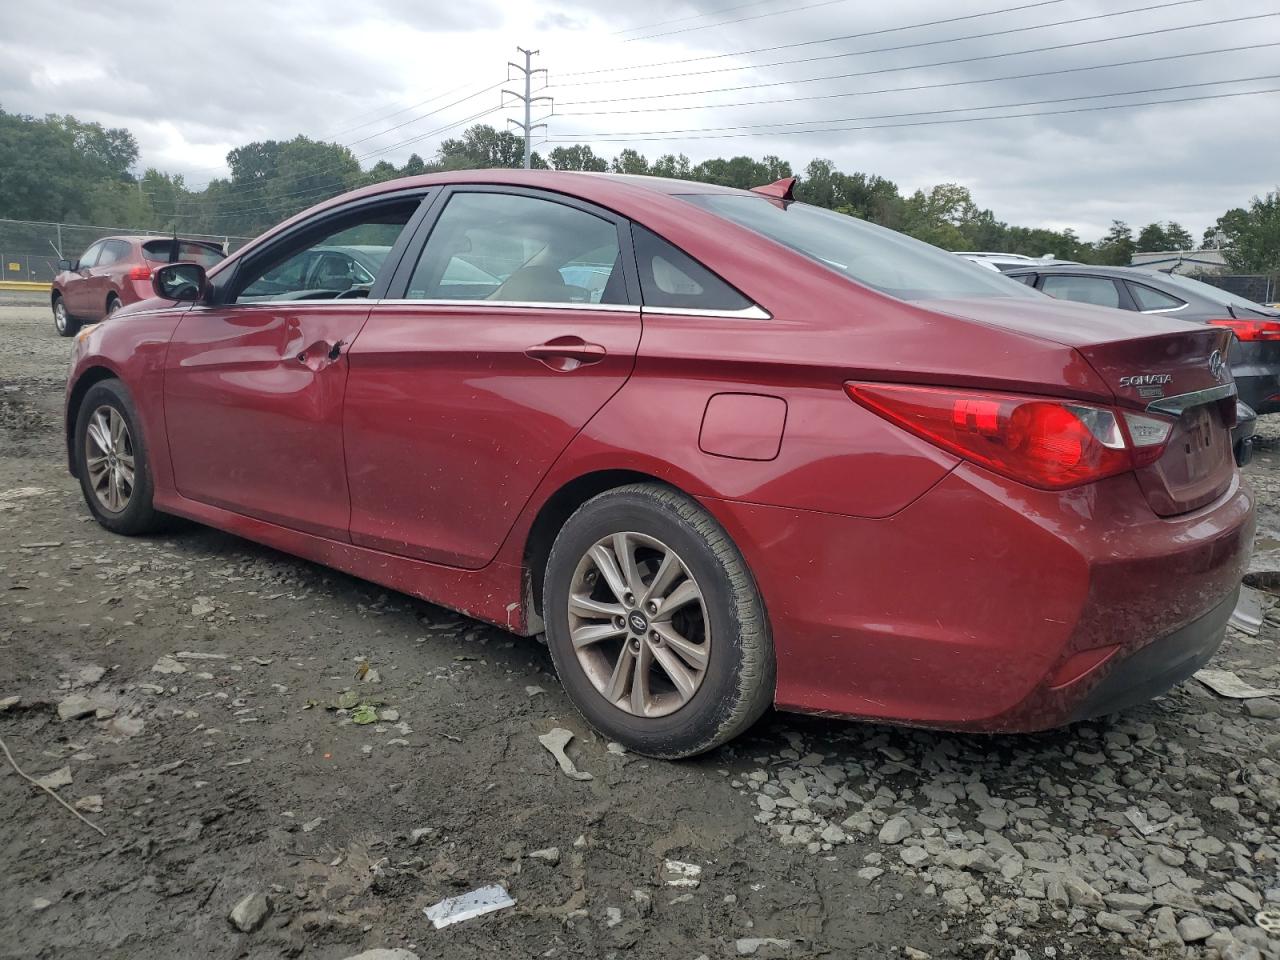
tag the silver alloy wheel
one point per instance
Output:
(113, 305)
(60, 315)
(639, 624)
(108, 458)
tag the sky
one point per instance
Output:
(704, 78)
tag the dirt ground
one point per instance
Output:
(208, 736)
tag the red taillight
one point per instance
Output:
(1251, 330)
(140, 273)
(1052, 444)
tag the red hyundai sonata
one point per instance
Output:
(727, 450)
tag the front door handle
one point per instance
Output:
(566, 353)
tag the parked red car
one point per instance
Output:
(725, 449)
(115, 272)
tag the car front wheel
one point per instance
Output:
(111, 460)
(62, 321)
(655, 625)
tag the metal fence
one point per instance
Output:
(30, 249)
(1260, 288)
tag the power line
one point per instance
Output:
(725, 23)
(1167, 4)
(937, 63)
(926, 113)
(242, 204)
(696, 16)
(929, 123)
(917, 87)
(807, 43)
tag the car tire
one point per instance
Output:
(640, 683)
(108, 441)
(63, 322)
(113, 304)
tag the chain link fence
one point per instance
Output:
(30, 249)
(1260, 288)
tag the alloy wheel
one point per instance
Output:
(109, 458)
(639, 626)
(60, 316)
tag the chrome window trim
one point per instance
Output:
(1167, 309)
(519, 304)
(753, 312)
(1185, 401)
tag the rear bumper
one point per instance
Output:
(1160, 665)
(988, 606)
(1257, 379)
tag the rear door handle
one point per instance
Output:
(566, 353)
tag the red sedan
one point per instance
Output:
(115, 272)
(725, 449)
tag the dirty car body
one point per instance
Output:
(957, 503)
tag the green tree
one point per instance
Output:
(1178, 236)
(577, 157)
(670, 165)
(1152, 238)
(1251, 237)
(629, 161)
(480, 147)
(1118, 246)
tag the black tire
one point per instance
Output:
(137, 515)
(113, 304)
(738, 683)
(63, 323)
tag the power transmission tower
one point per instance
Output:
(528, 99)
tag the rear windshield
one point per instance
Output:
(159, 251)
(876, 257)
(1216, 294)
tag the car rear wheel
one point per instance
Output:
(655, 625)
(62, 321)
(113, 304)
(111, 460)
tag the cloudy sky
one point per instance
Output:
(709, 78)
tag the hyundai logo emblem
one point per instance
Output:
(1216, 366)
(638, 623)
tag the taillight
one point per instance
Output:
(1251, 330)
(140, 273)
(1051, 444)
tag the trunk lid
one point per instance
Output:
(1171, 369)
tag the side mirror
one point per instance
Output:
(180, 281)
(65, 265)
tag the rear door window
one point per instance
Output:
(670, 278)
(514, 248)
(1149, 299)
(1100, 291)
(1028, 278)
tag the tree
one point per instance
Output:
(1152, 238)
(1178, 236)
(1251, 238)
(577, 157)
(669, 165)
(1117, 247)
(629, 161)
(482, 146)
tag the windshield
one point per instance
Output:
(876, 257)
(1216, 294)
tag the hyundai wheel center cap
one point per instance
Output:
(638, 622)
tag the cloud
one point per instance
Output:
(191, 84)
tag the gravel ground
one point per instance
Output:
(200, 699)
